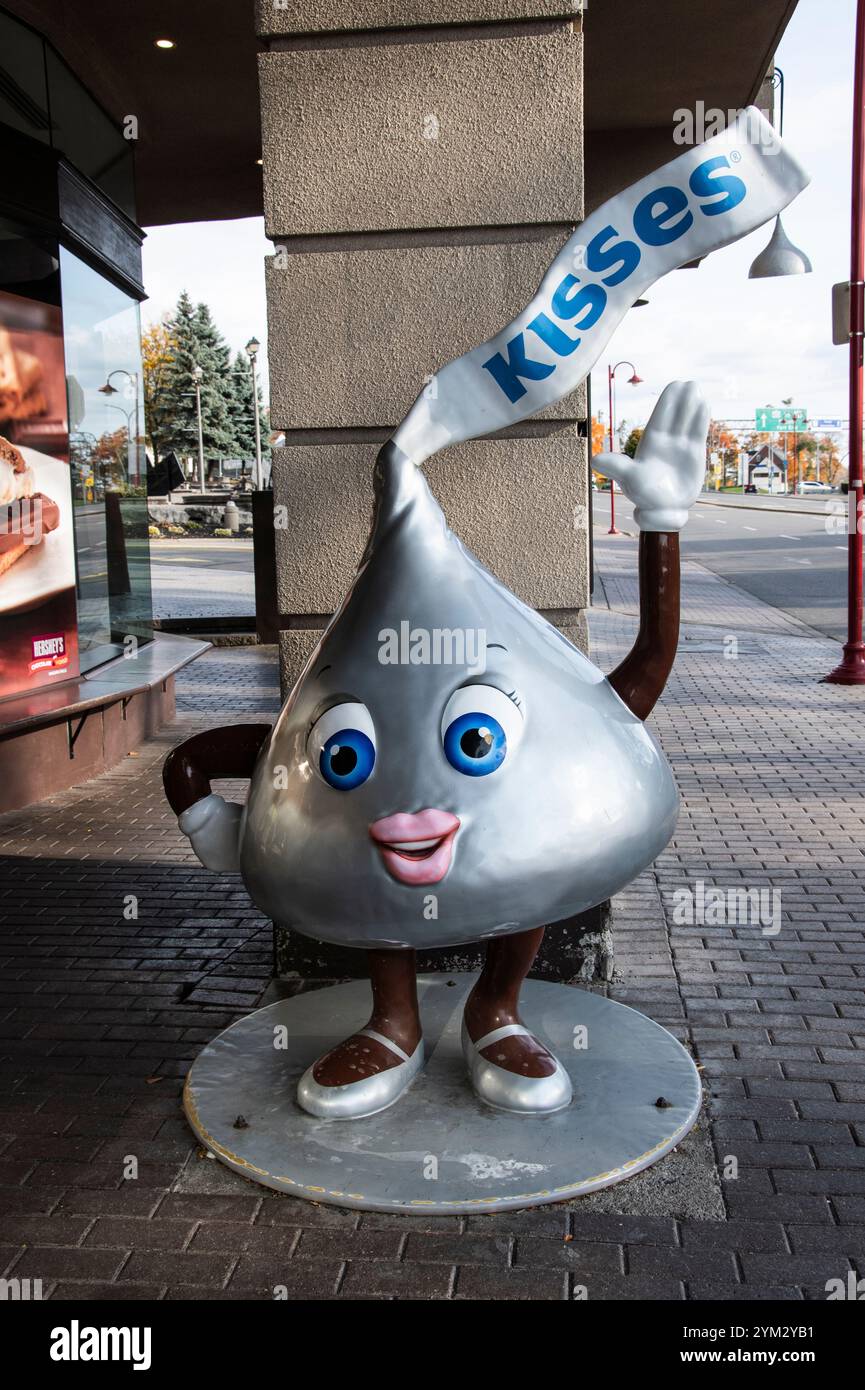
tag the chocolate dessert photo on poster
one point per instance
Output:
(38, 637)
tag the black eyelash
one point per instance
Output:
(514, 697)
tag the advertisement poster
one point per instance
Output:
(38, 641)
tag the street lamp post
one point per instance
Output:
(252, 348)
(197, 376)
(633, 380)
(851, 668)
(780, 257)
(131, 443)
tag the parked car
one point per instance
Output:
(808, 485)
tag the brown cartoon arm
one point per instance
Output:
(640, 678)
(226, 752)
(663, 481)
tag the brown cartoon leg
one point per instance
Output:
(394, 1015)
(494, 1002)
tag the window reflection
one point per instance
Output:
(37, 548)
(106, 450)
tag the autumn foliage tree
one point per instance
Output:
(632, 441)
(599, 436)
(157, 359)
(599, 442)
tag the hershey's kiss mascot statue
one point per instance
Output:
(525, 788)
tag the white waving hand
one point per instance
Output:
(665, 475)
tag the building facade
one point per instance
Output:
(70, 375)
(418, 164)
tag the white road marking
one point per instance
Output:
(785, 537)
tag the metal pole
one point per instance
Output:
(851, 669)
(200, 436)
(611, 372)
(790, 468)
(259, 483)
(137, 435)
(132, 464)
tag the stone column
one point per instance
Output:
(423, 164)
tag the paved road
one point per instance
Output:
(779, 549)
(221, 555)
(789, 552)
(203, 578)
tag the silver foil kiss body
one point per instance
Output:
(448, 766)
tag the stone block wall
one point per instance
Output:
(423, 163)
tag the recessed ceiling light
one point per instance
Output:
(165, 43)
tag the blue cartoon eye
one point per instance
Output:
(341, 746)
(346, 759)
(480, 724)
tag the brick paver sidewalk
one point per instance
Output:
(122, 958)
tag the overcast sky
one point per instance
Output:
(748, 342)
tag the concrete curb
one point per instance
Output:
(752, 507)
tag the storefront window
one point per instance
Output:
(38, 642)
(109, 469)
(74, 551)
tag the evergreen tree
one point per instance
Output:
(243, 412)
(181, 429)
(241, 407)
(196, 342)
(214, 357)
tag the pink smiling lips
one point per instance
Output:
(417, 848)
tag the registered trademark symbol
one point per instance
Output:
(735, 156)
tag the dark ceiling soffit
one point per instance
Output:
(769, 55)
(162, 196)
(27, 15)
(33, 16)
(730, 80)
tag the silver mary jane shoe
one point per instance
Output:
(359, 1099)
(504, 1090)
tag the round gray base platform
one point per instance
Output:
(439, 1149)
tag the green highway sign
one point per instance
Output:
(785, 417)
